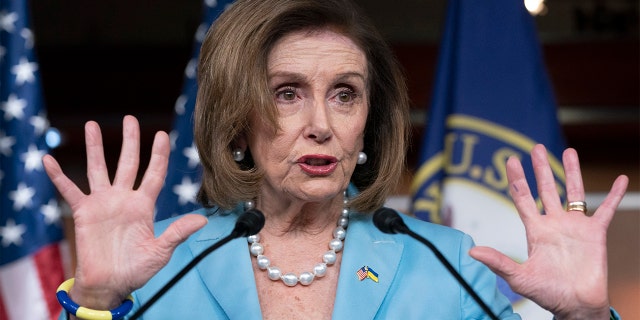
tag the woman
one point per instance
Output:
(302, 113)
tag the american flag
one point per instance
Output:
(362, 273)
(183, 176)
(30, 227)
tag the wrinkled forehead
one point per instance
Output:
(319, 49)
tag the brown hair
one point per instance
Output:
(232, 79)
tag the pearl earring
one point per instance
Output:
(238, 154)
(362, 158)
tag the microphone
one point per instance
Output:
(249, 223)
(389, 221)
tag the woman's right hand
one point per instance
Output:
(116, 249)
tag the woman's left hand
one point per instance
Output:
(566, 270)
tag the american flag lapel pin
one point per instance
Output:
(367, 272)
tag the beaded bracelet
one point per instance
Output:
(90, 314)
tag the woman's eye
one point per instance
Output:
(286, 94)
(346, 96)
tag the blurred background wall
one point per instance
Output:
(102, 59)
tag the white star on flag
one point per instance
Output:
(180, 103)
(190, 70)
(39, 123)
(8, 20)
(192, 154)
(12, 233)
(21, 197)
(173, 137)
(14, 108)
(201, 32)
(6, 142)
(51, 212)
(32, 158)
(24, 71)
(28, 38)
(186, 191)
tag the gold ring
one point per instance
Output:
(577, 206)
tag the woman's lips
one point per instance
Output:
(318, 165)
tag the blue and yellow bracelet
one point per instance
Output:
(90, 314)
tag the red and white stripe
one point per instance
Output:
(28, 286)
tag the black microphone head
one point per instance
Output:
(389, 221)
(249, 223)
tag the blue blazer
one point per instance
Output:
(412, 282)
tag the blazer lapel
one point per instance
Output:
(381, 253)
(227, 274)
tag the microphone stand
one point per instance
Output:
(388, 221)
(453, 272)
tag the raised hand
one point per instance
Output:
(116, 249)
(566, 271)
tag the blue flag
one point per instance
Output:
(30, 225)
(492, 99)
(182, 183)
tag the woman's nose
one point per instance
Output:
(318, 127)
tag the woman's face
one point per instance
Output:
(318, 82)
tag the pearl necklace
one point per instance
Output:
(319, 270)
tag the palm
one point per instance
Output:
(107, 223)
(566, 271)
(564, 250)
